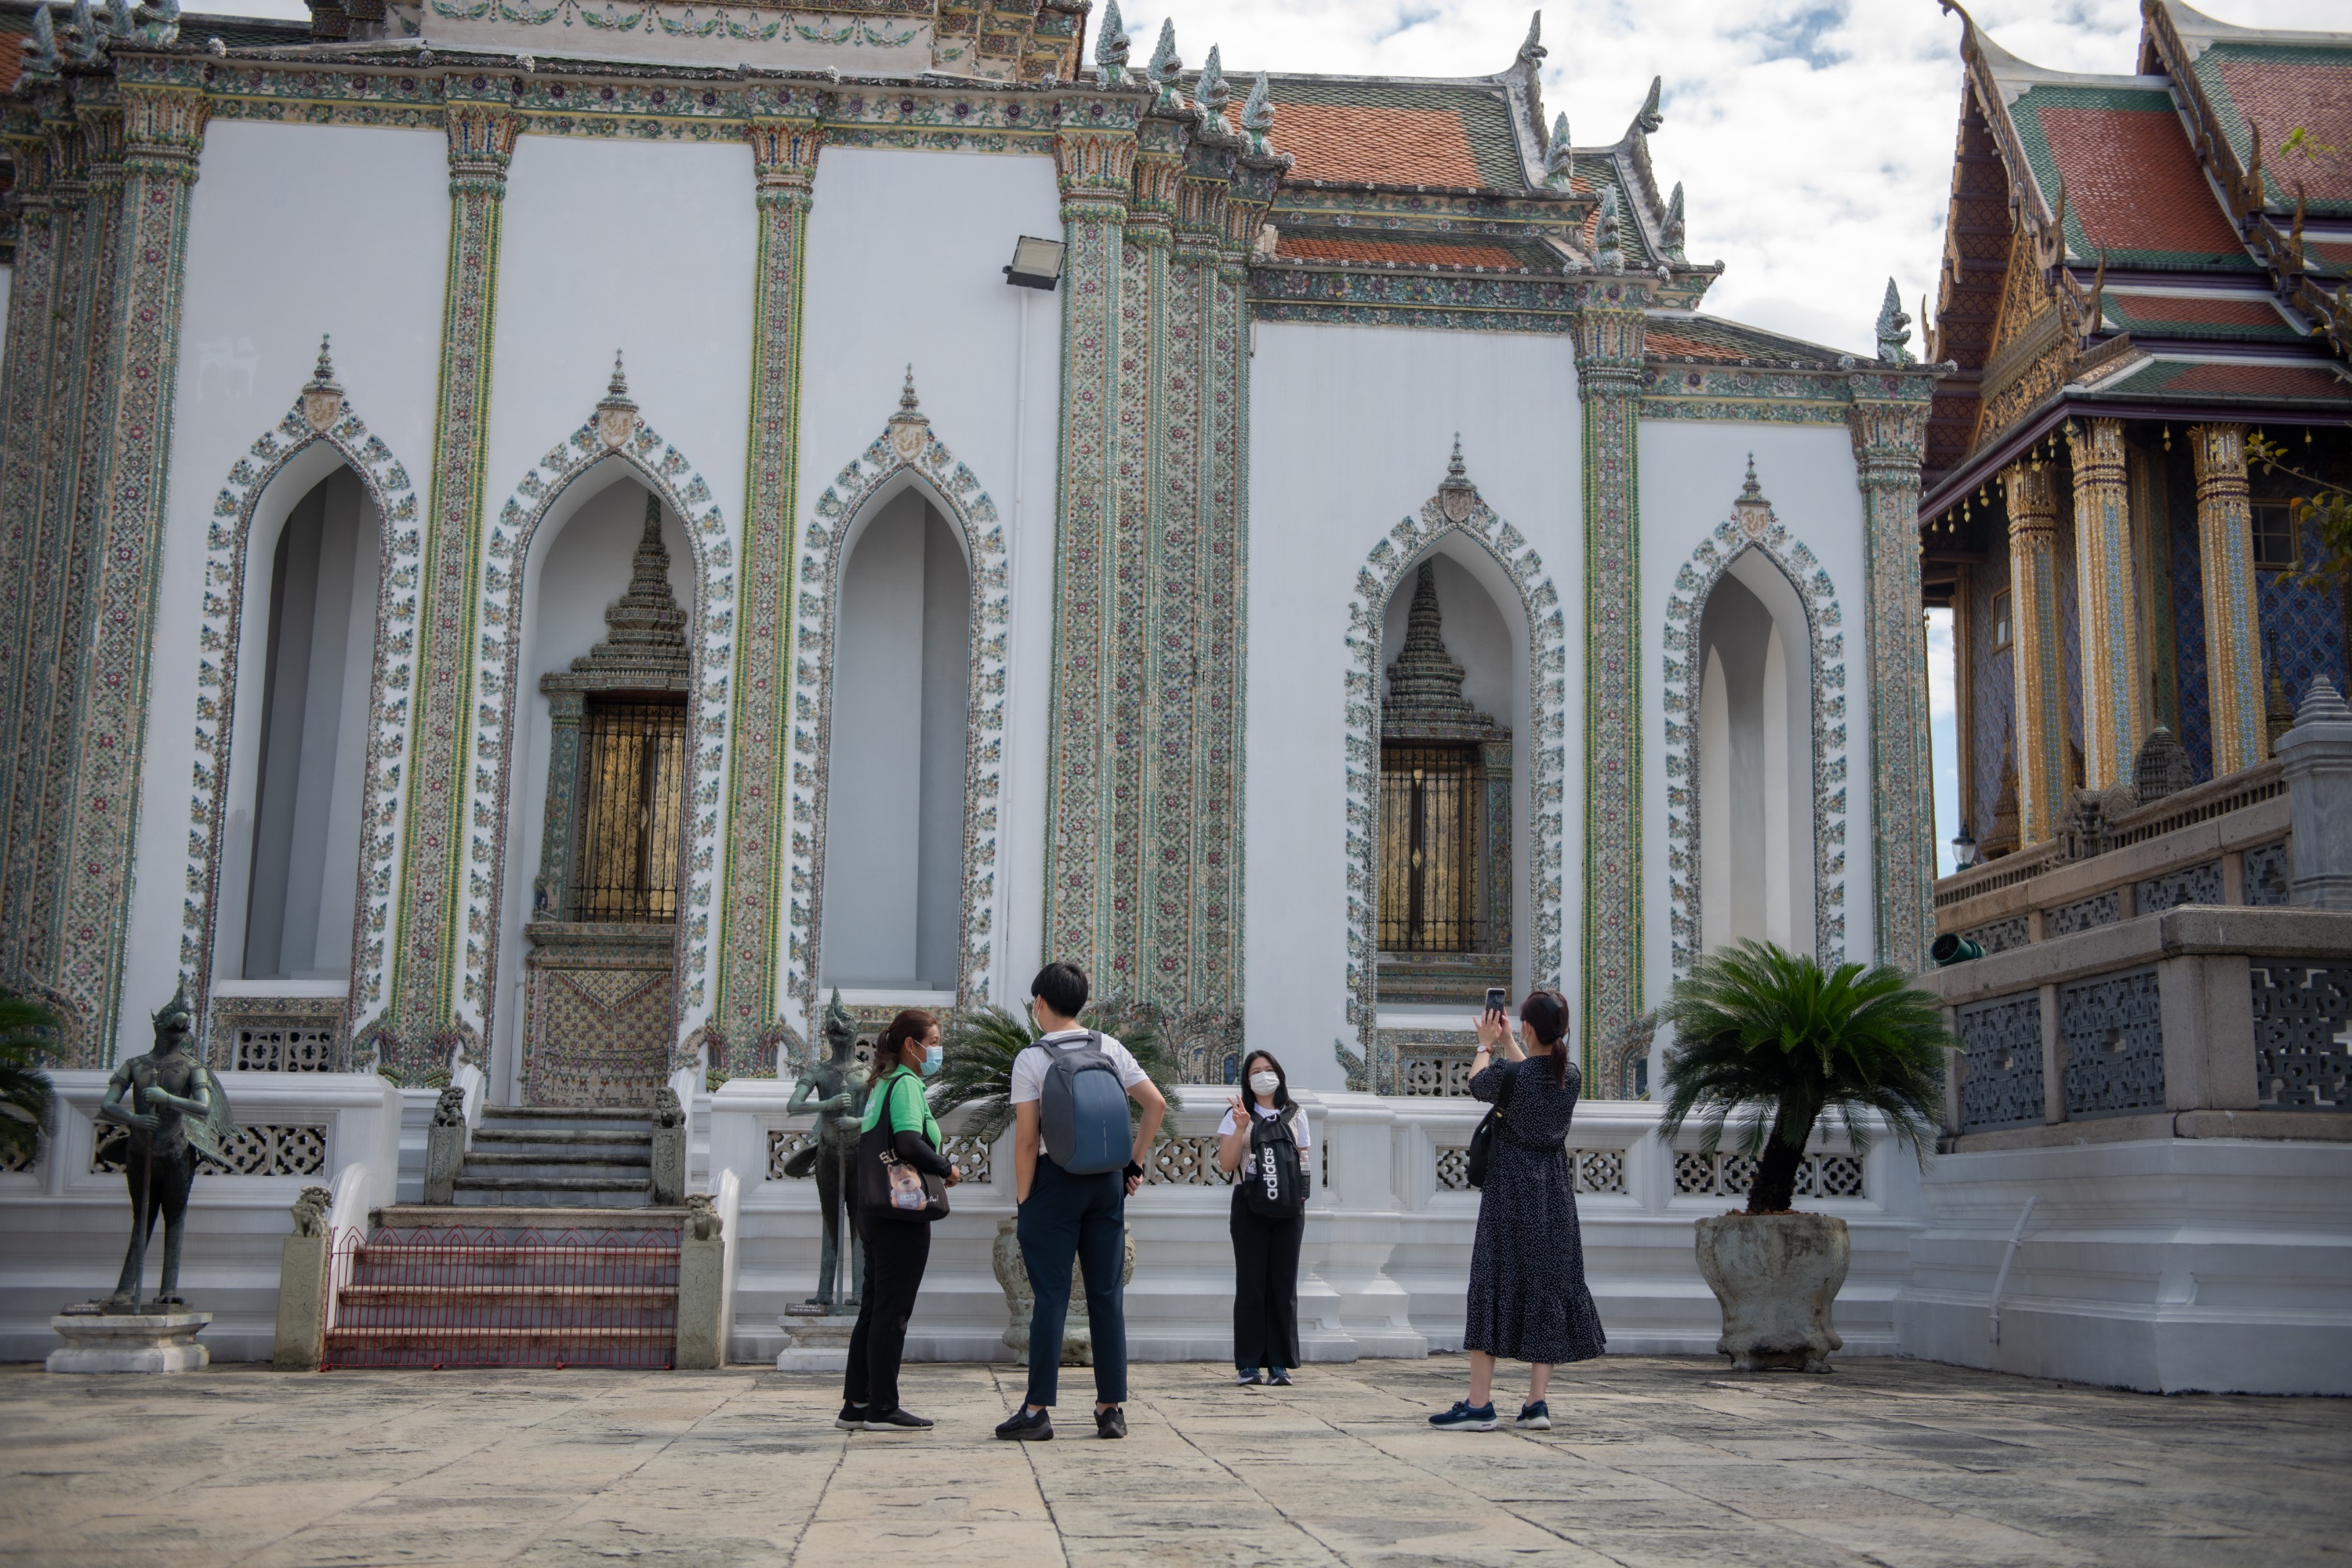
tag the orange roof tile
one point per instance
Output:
(12, 57)
(2259, 381)
(1376, 145)
(1332, 248)
(2283, 96)
(1673, 345)
(2133, 182)
(2209, 311)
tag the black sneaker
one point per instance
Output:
(851, 1418)
(1535, 1418)
(894, 1421)
(1021, 1427)
(1110, 1423)
(1465, 1417)
(1247, 1378)
(1280, 1379)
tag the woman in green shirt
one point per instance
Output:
(896, 1252)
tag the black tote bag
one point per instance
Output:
(1482, 1141)
(888, 1187)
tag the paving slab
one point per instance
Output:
(1652, 1460)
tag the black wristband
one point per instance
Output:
(1133, 1170)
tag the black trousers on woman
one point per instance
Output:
(896, 1252)
(1265, 1287)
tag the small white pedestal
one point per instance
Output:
(816, 1341)
(129, 1341)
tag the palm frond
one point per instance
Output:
(26, 1098)
(979, 1044)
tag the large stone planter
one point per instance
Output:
(1775, 1276)
(1020, 1300)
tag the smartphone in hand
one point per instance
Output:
(1497, 999)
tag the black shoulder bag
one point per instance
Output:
(1482, 1141)
(888, 1187)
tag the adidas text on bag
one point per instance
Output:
(1082, 1108)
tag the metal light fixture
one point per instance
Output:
(1964, 848)
(1037, 263)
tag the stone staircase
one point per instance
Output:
(550, 1253)
(534, 1157)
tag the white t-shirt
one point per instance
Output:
(1299, 1128)
(1029, 1069)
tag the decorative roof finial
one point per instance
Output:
(616, 416)
(120, 19)
(1456, 473)
(1648, 121)
(1211, 91)
(322, 396)
(1670, 234)
(907, 429)
(43, 47)
(2322, 704)
(1166, 70)
(85, 26)
(1257, 115)
(1894, 328)
(1560, 160)
(1532, 52)
(1753, 513)
(1751, 491)
(907, 403)
(1110, 48)
(1608, 241)
(1424, 696)
(322, 377)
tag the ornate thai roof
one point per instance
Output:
(2144, 238)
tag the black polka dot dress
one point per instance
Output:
(1528, 1297)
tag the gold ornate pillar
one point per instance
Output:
(783, 163)
(2036, 654)
(2233, 638)
(426, 1012)
(2106, 589)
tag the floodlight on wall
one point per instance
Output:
(1037, 263)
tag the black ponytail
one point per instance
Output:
(1546, 1012)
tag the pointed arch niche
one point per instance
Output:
(607, 586)
(897, 727)
(1468, 656)
(1756, 743)
(304, 667)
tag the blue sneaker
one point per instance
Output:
(1465, 1417)
(1535, 1418)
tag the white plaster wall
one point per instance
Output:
(581, 561)
(1350, 432)
(1691, 471)
(644, 248)
(293, 231)
(906, 258)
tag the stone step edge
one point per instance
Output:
(525, 1216)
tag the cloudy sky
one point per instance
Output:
(1813, 138)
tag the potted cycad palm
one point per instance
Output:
(977, 1075)
(26, 1099)
(1767, 1042)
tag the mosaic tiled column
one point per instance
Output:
(783, 163)
(1889, 437)
(424, 1021)
(163, 134)
(2036, 655)
(1095, 169)
(24, 415)
(2106, 589)
(81, 447)
(2233, 638)
(1609, 336)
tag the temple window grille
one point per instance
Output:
(2278, 546)
(633, 766)
(1428, 848)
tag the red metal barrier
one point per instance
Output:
(445, 1298)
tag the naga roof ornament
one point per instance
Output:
(1212, 94)
(1894, 328)
(1257, 116)
(42, 49)
(1648, 121)
(1670, 234)
(86, 36)
(1110, 48)
(1532, 52)
(1560, 158)
(1608, 241)
(1165, 70)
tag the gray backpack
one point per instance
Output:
(1083, 1108)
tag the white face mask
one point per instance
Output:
(1263, 1083)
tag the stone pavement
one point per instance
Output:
(1652, 1461)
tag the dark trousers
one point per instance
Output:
(895, 1254)
(1082, 1219)
(1266, 1288)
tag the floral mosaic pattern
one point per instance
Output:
(393, 495)
(615, 430)
(1763, 532)
(1456, 509)
(906, 446)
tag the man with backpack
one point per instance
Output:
(1075, 1165)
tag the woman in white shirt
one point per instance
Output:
(1266, 1246)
